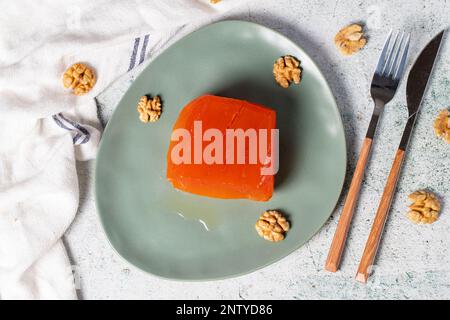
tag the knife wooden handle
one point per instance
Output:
(373, 241)
(340, 236)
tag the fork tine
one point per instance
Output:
(401, 67)
(382, 59)
(389, 56)
(394, 62)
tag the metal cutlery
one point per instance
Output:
(415, 89)
(385, 81)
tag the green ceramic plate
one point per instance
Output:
(182, 236)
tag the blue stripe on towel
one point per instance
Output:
(76, 137)
(70, 125)
(75, 125)
(134, 53)
(144, 48)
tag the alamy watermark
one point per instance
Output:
(236, 146)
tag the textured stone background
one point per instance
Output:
(414, 261)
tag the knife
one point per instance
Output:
(415, 89)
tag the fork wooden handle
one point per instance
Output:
(340, 236)
(374, 238)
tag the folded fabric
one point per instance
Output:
(44, 129)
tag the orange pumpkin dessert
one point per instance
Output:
(218, 149)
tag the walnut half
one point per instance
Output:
(287, 70)
(350, 39)
(149, 109)
(442, 125)
(425, 207)
(272, 226)
(80, 78)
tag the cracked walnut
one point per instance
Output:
(272, 226)
(425, 207)
(149, 109)
(287, 70)
(350, 39)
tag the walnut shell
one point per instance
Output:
(425, 207)
(350, 39)
(80, 78)
(287, 70)
(149, 109)
(272, 226)
(442, 125)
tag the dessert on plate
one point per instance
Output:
(224, 148)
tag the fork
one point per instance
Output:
(385, 81)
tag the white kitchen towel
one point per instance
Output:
(44, 129)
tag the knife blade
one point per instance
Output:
(417, 83)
